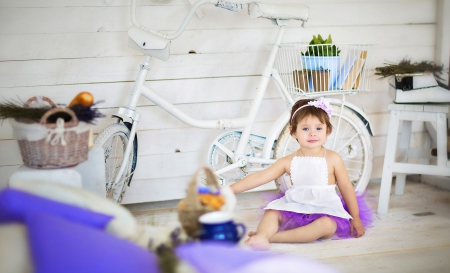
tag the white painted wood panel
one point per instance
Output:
(168, 142)
(151, 190)
(442, 39)
(107, 44)
(119, 69)
(101, 3)
(113, 18)
(179, 92)
(59, 48)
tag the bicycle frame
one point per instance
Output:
(238, 156)
(246, 123)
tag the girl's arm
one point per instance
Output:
(262, 177)
(348, 193)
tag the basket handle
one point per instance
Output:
(40, 98)
(52, 111)
(191, 196)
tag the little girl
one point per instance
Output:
(311, 208)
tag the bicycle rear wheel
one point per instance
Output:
(351, 140)
(219, 159)
(114, 139)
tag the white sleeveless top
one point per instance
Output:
(310, 192)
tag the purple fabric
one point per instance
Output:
(366, 214)
(58, 245)
(16, 205)
(291, 220)
(218, 257)
(222, 257)
(286, 264)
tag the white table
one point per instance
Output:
(89, 175)
(407, 113)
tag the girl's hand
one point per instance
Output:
(356, 226)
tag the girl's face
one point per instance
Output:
(311, 133)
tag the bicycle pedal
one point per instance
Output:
(434, 153)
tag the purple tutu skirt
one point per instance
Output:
(291, 220)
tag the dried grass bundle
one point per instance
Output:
(86, 114)
(406, 67)
(13, 110)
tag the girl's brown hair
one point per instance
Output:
(308, 111)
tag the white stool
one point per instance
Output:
(89, 175)
(66, 176)
(408, 113)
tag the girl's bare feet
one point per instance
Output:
(251, 233)
(257, 242)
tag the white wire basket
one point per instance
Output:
(307, 69)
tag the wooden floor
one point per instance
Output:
(413, 237)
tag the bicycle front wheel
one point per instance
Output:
(350, 139)
(114, 139)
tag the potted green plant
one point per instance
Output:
(320, 47)
(322, 58)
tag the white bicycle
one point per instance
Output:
(237, 152)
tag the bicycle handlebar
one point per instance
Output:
(236, 7)
(218, 3)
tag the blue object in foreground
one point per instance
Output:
(219, 226)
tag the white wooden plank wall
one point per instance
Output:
(58, 48)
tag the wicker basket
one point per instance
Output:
(192, 209)
(52, 145)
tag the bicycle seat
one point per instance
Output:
(149, 43)
(268, 11)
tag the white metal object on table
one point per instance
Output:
(408, 113)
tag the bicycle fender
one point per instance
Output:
(358, 111)
(135, 149)
(274, 133)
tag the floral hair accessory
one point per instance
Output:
(320, 103)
